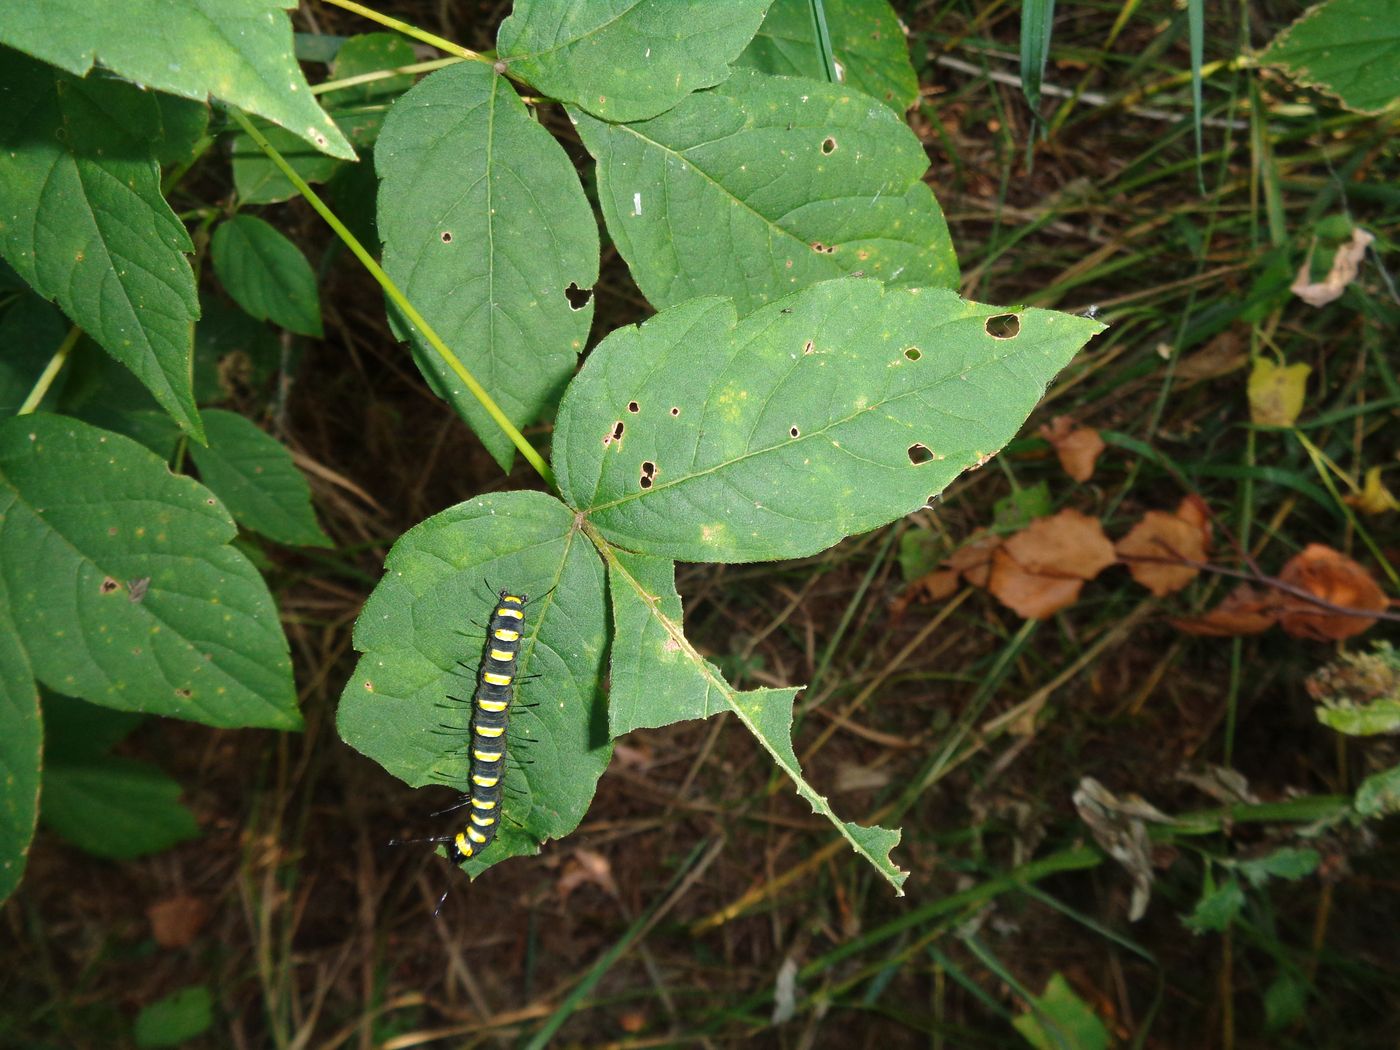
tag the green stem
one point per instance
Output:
(326, 87)
(51, 370)
(407, 29)
(399, 299)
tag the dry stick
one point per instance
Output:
(1270, 581)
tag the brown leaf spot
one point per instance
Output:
(108, 586)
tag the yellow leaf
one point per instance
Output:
(1374, 497)
(1276, 392)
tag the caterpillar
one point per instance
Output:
(490, 716)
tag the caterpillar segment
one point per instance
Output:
(495, 686)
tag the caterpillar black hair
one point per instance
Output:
(490, 716)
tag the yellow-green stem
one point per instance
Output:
(328, 86)
(51, 370)
(441, 43)
(399, 299)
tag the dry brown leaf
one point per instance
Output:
(1227, 352)
(1029, 594)
(973, 560)
(930, 587)
(176, 921)
(1162, 535)
(585, 866)
(1333, 577)
(1065, 544)
(1244, 611)
(1374, 497)
(1345, 265)
(1276, 392)
(1078, 448)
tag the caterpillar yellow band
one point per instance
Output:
(485, 782)
(490, 731)
(476, 836)
(495, 679)
(483, 822)
(492, 705)
(514, 614)
(507, 635)
(486, 756)
(501, 654)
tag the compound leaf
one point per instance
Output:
(658, 678)
(700, 437)
(485, 226)
(123, 586)
(625, 59)
(801, 181)
(240, 51)
(253, 473)
(421, 641)
(82, 220)
(266, 274)
(867, 41)
(1347, 48)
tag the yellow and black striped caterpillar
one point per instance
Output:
(490, 717)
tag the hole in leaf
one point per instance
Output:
(108, 585)
(808, 347)
(613, 435)
(913, 353)
(633, 407)
(823, 249)
(578, 297)
(1003, 326)
(446, 236)
(184, 693)
(919, 454)
(794, 432)
(648, 474)
(675, 411)
(828, 146)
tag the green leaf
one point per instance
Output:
(253, 474)
(266, 274)
(1290, 862)
(802, 181)
(359, 110)
(419, 628)
(239, 51)
(259, 181)
(1284, 1002)
(128, 594)
(1060, 1020)
(868, 42)
(658, 678)
(83, 222)
(485, 225)
(115, 807)
(233, 352)
(76, 731)
(21, 745)
(175, 1019)
(826, 414)
(1379, 794)
(1217, 908)
(625, 59)
(1347, 48)
(920, 551)
(183, 125)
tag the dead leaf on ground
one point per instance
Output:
(1160, 535)
(1245, 610)
(1119, 825)
(1069, 543)
(1031, 595)
(1276, 392)
(1041, 569)
(585, 866)
(1333, 577)
(176, 921)
(973, 560)
(1345, 265)
(1374, 497)
(1077, 447)
(1227, 352)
